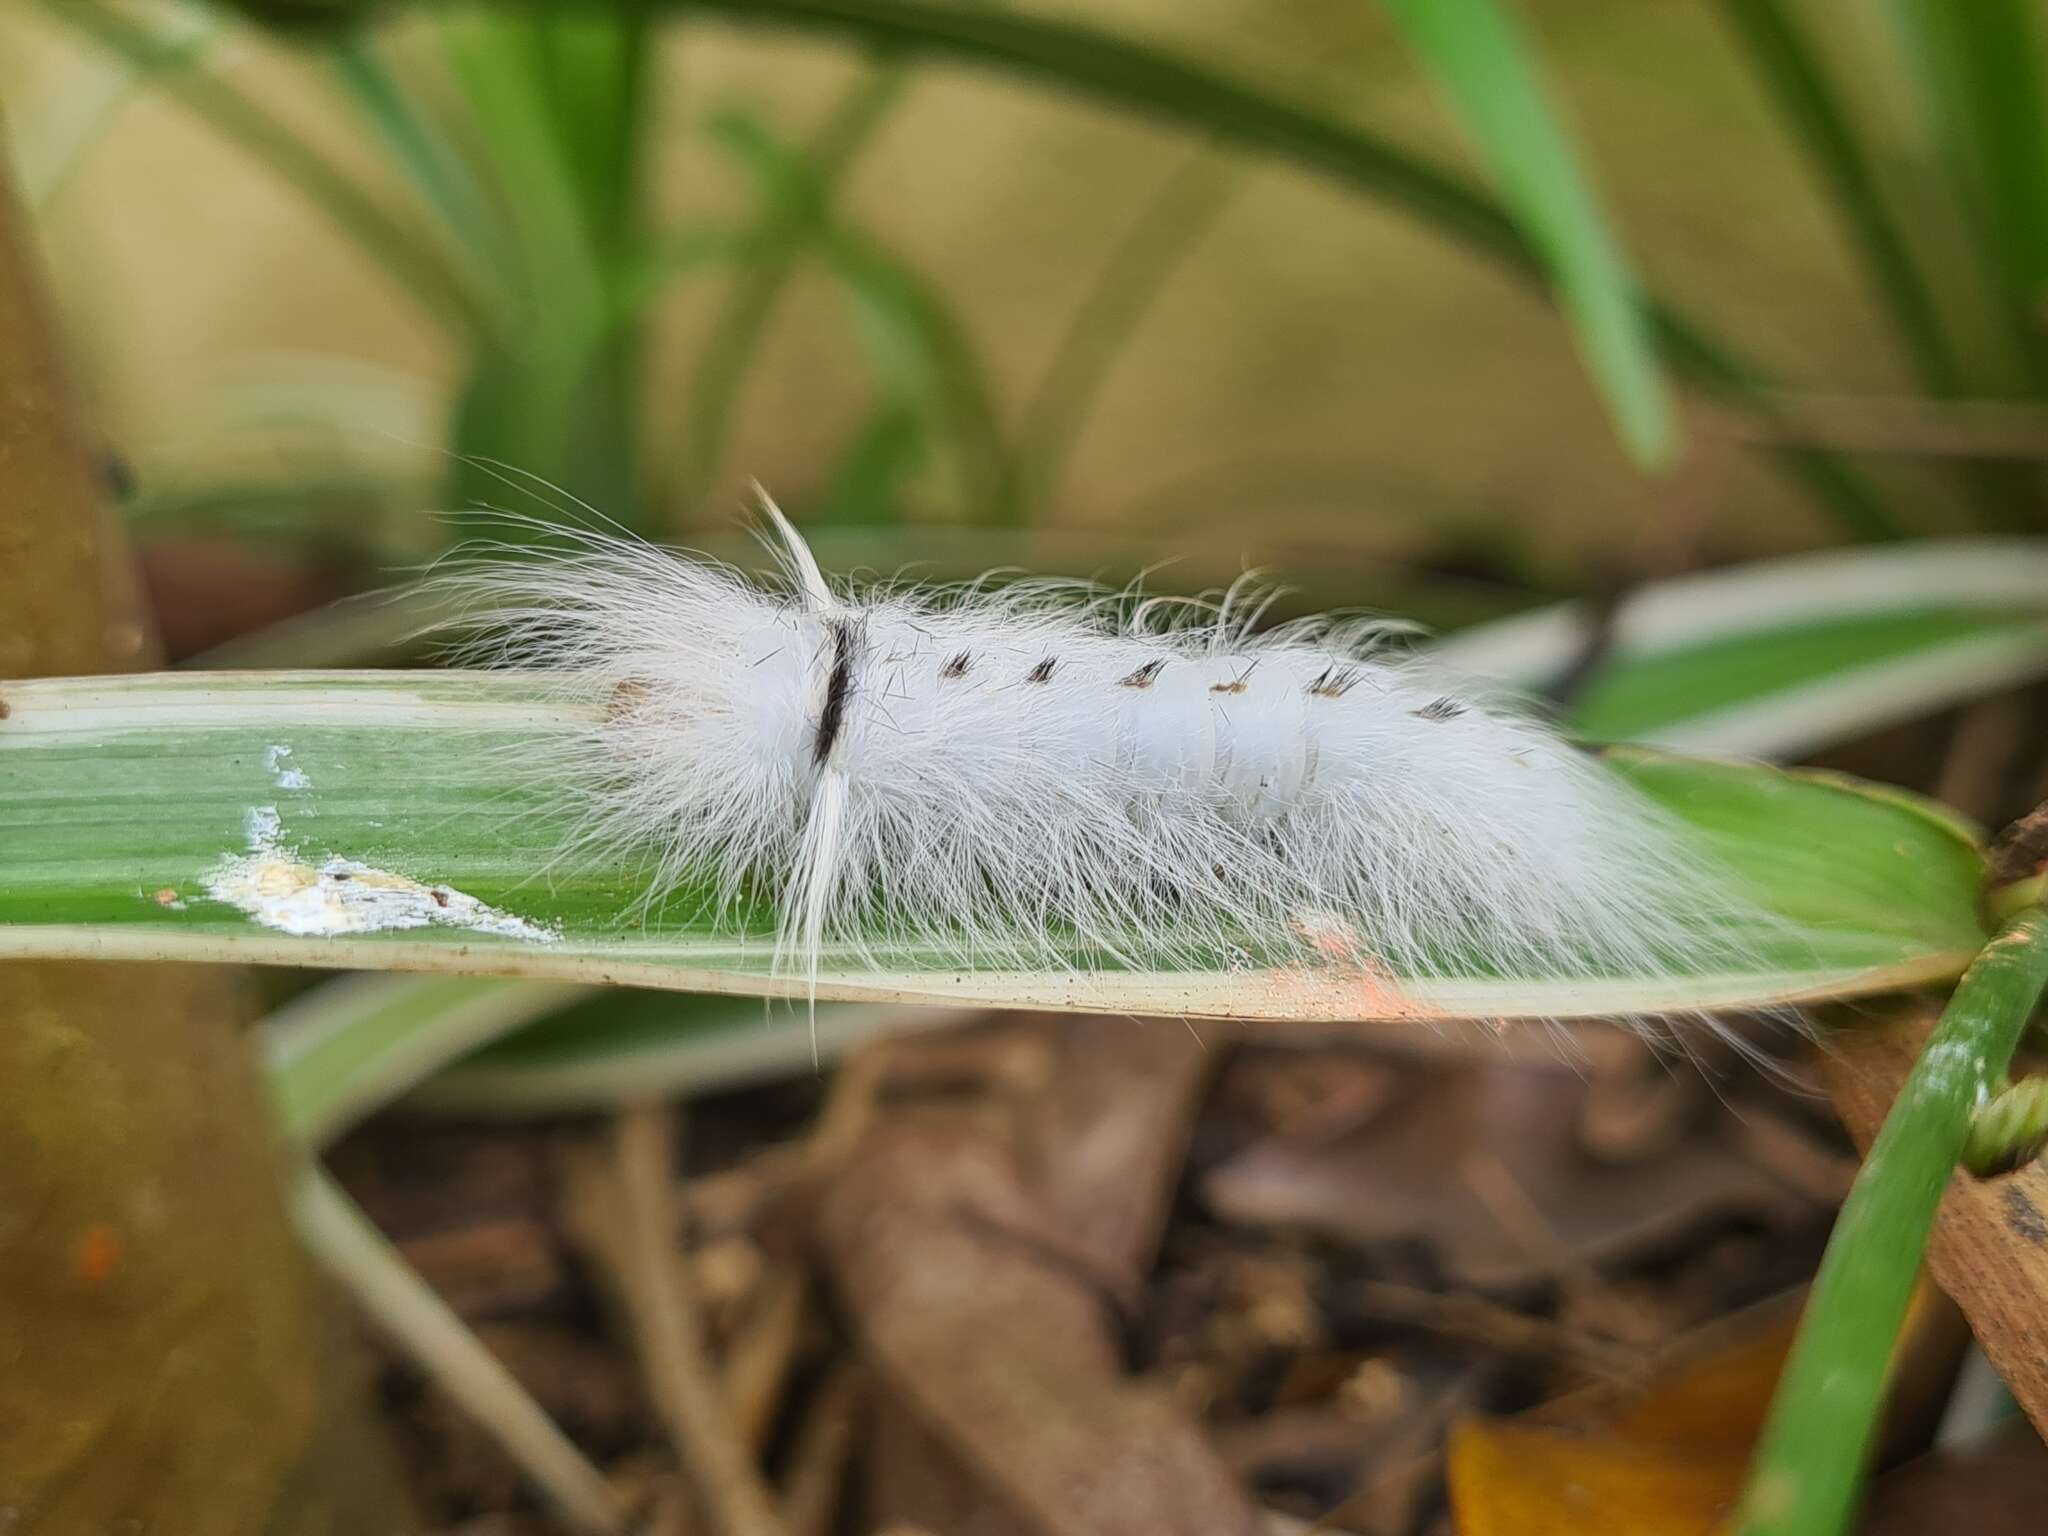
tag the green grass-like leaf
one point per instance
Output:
(551, 391)
(444, 180)
(794, 209)
(1789, 67)
(1786, 656)
(120, 797)
(1488, 69)
(413, 258)
(1066, 55)
(1980, 72)
(1094, 62)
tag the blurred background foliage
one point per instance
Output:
(327, 277)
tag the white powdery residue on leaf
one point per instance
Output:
(282, 773)
(272, 885)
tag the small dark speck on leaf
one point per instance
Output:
(440, 897)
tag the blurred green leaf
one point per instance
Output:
(554, 391)
(869, 482)
(423, 153)
(917, 343)
(926, 356)
(1980, 69)
(1835, 675)
(1784, 657)
(356, 508)
(474, 1045)
(792, 210)
(1131, 75)
(1092, 61)
(186, 41)
(414, 260)
(1790, 68)
(594, 65)
(1109, 314)
(344, 1049)
(1488, 68)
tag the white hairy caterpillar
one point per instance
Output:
(1035, 774)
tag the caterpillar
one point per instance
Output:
(1045, 774)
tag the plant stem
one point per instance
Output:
(660, 1292)
(1809, 1463)
(784, 232)
(1144, 260)
(358, 1256)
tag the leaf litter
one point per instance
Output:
(1016, 1281)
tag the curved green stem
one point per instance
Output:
(1110, 313)
(1809, 1464)
(785, 230)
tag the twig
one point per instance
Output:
(849, 1110)
(351, 1249)
(817, 1464)
(1793, 1157)
(1980, 754)
(661, 1295)
(1474, 1320)
(757, 1360)
(1496, 1188)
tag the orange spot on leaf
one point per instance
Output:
(96, 1255)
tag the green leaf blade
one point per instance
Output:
(122, 800)
(1980, 72)
(1488, 70)
(1785, 657)
(1790, 68)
